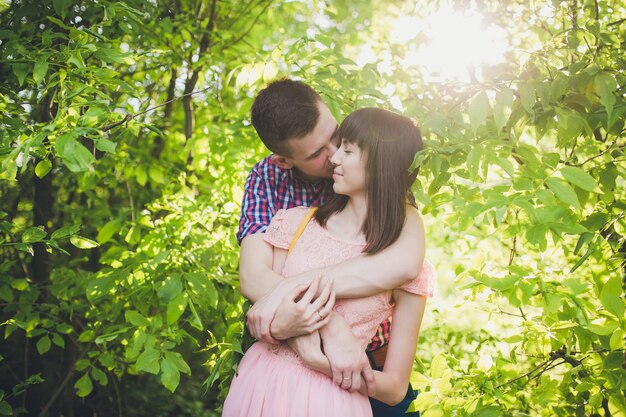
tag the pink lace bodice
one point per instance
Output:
(317, 248)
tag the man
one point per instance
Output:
(294, 123)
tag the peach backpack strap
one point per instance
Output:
(307, 217)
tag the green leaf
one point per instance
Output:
(61, 7)
(65, 231)
(59, 22)
(242, 77)
(256, 73)
(34, 234)
(82, 364)
(114, 56)
(270, 71)
(106, 145)
(172, 288)
(99, 376)
(43, 344)
(580, 178)
(177, 360)
(537, 234)
(133, 236)
(141, 175)
(148, 361)
(613, 360)
(526, 91)
(506, 165)
(21, 71)
(502, 107)
(6, 294)
(156, 174)
(516, 338)
(136, 318)
(605, 86)
(83, 243)
(170, 375)
(424, 400)
(20, 284)
(438, 366)
(75, 156)
(195, 318)
(491, 411)
(43, 167)
(617, 339)
(40, 71)
(604, 329)
(86, 336)
(612, 298)
(563, 191)
(500, 284)
(176, 307)
(478, 110)
(474, 157)
(58, 340)
(83, 386)
(64, 328)
(108, 231)
(5, 407)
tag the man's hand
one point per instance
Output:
(309, 348)
(302, 312)
(347, 358)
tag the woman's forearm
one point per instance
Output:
(388, 389)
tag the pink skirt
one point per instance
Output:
(272, 382)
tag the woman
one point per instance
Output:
(371, 180)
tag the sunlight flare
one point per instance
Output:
(454, 42)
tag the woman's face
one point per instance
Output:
(349, 173)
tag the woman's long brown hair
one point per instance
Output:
(390, 142)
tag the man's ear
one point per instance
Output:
(282, 162)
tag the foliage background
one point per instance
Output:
(120, 196)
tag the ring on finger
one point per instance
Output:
(345, 378)
(320, 314)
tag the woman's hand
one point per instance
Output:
(302, 311)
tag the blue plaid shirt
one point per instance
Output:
(270, 188)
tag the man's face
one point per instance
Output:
(311, 154)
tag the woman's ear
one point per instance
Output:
(282, 162)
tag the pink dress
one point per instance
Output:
(272, 380)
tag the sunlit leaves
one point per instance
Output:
(502, 107)
(83, 242)
(108, 231)
(612, 297)
(605, 86)
(34, 234)
(563, 192)
(478, 110)
(75, 156)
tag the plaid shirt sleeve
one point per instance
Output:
(257, 206)
(381, 338)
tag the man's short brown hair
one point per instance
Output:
(283, 110)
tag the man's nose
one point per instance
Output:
(332, 151)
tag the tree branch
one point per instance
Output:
(60, 387)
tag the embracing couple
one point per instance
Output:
(332, 247)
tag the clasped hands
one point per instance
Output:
(296, 313)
